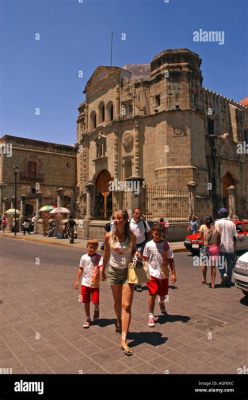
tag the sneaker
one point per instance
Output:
(151, 322)
(162, 308)
(138, 288)
(86, 324)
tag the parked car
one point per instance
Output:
(240, 273)
(193, 243)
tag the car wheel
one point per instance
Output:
(245, 293)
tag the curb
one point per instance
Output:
(181, 250)
(43, 241)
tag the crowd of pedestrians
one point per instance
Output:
(132, 239)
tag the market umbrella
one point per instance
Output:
(47, 207)
(60, 210)
(12, 211)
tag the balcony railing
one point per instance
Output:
(30, 178)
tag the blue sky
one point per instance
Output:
(75, 36)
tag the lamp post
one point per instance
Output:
(16, 170)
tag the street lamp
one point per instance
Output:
(16, 170)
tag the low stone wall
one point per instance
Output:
(177, 230)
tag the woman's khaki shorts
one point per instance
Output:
(117, 276)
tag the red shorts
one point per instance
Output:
(158, 286)
(89, 293)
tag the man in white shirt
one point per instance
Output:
(228, 234)
(141, 230)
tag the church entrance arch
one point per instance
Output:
(227, 181)
(103, 197)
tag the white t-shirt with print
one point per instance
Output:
(154, 250)
(227, 229)
(91, 265)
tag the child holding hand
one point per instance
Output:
(90, 268)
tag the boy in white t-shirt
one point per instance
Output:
(90, 267)
(158, 254)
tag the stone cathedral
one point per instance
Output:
(155, 125)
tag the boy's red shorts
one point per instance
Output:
(89, 293)
(158, 286)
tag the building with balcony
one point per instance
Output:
(46, 171)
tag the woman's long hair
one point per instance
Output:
(127, 230)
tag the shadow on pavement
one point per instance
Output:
(152, 338)
(244, 301)
(162, 319)
(102, 322)
(173, 287)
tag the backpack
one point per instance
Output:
(146, 233)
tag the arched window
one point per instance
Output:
(92, 120)
(110, 111)
(101, 112)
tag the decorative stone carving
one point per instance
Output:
(178, 132)
(101, 146)
(128, 141)
(85, 141)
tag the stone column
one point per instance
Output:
(89, 190)
(5, 199)
(37, 207)
(86, 122)
(117, 102)
(116, 195)
(135, 194)
(116, 155)
(88, 217)
(232, 202)
(136, 150)
(23, 197)
(13, 202)
(191, 204)
(60, 193)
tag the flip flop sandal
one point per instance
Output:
(127, 351)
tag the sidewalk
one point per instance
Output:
(177, 247)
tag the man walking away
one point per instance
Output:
(228, 234)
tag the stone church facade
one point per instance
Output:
(155, 125)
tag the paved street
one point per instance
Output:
(41, 321)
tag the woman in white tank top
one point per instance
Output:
(119, 249)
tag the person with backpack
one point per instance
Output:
(141, 230)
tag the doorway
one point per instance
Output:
(103, 197)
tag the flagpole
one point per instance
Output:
(111, 49)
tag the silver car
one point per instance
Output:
(240, 273)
